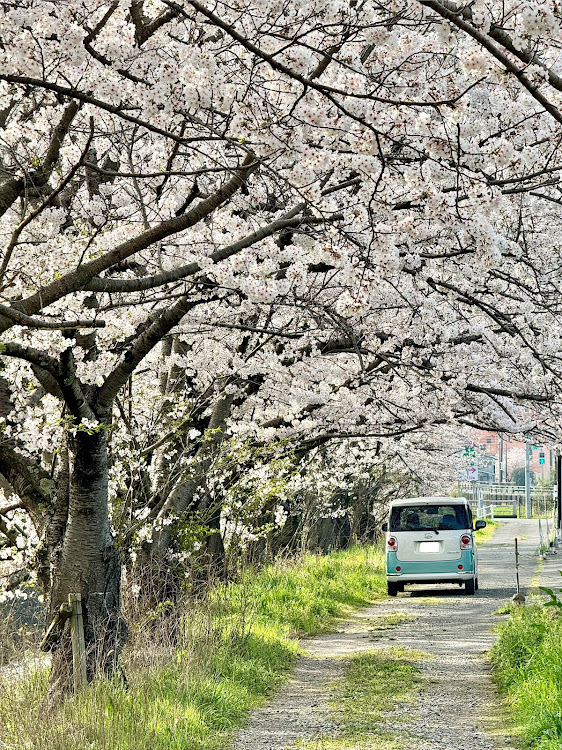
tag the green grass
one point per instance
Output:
(484, 535)
(308, 596)
(528, 663)
(235, 651)
(503, 510)
(376, 683)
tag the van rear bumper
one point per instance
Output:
(461, 575)
(438, 571)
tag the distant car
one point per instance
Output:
(430, 540)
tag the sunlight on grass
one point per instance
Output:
(235, 650)
(528, 663)
(484, 535)
(376, 683)
(308, 596)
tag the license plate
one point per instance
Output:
(429, 547)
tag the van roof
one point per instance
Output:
(429, 501)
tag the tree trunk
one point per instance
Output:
(213, 560)
(88, 563)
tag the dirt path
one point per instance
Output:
(455, 710)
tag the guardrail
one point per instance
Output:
(491, 501)
(510, 497)
(485, 511)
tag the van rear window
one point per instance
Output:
(429, 518)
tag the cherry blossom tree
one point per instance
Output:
(266, 223)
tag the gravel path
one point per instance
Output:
(456, 710)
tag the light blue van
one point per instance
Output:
(430, 540)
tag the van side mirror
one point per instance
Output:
(384, 527)
(480, 525)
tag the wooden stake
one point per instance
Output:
(78, 642)
(53, 633)
(517, 565)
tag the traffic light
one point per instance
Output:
(541, 457)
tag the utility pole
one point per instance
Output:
(528, 478)
(500, 457)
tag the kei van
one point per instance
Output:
(431, 540)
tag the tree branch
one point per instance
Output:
(12, 188)
(29, 481)
(495, 50)
(73, 93)
(72, 388)
(79, 278)
(150, 282)
(145, 28)
(48, 200)
(491, 391)
(27, 320)
(503, 37)
(166, 320)
(33, 356)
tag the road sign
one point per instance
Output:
(470, 474)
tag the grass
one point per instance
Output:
(528, 662)
(19, 624)
(234, 651)
(505, 511)
(484, 535)
(376, 683)
(307, 597)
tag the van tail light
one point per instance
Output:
(392, 544)
(466, 541)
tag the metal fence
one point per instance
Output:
(508, 500)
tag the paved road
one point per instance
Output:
(456, 711)
(459, 710)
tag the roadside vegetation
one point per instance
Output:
(528, 661)
(193, 688)
(375, 683)
(484, 535)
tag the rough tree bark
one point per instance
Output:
(87, 561)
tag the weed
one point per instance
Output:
(554, 600)
(484, 535)
(528, 662)
(376, 682)
(506, 609)
(193, 688)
